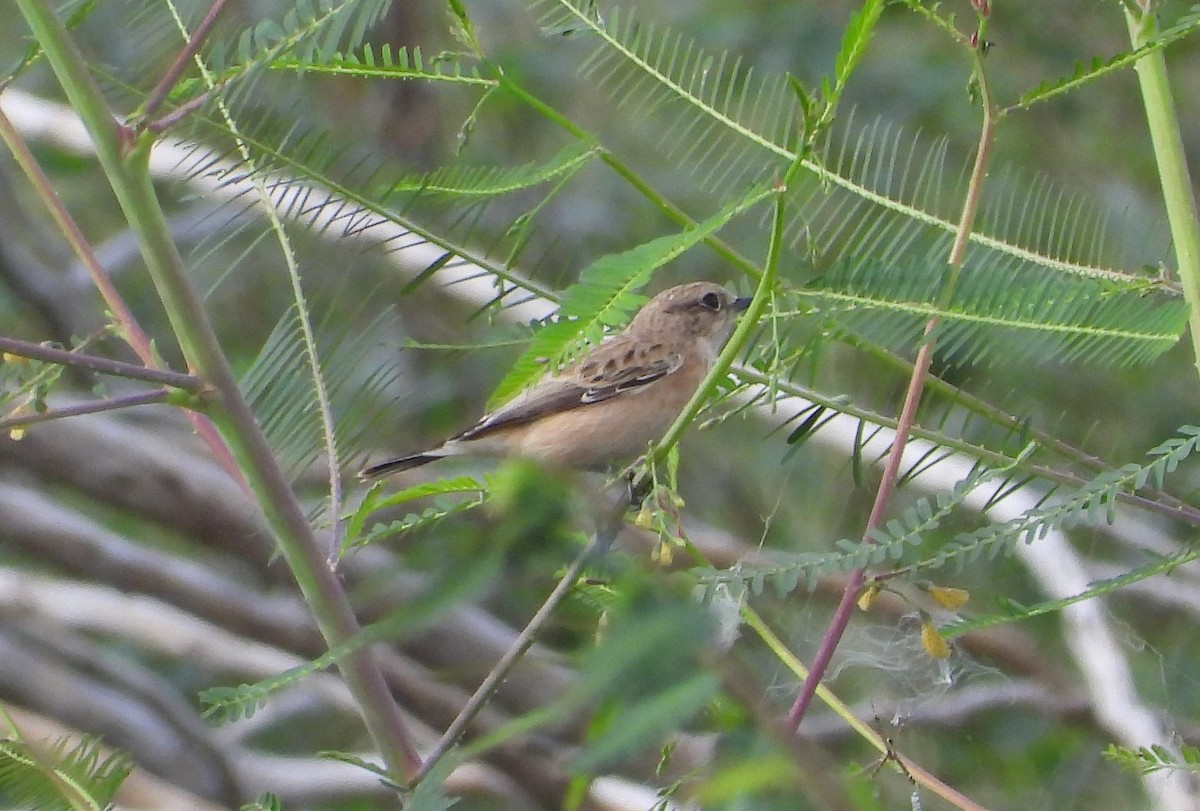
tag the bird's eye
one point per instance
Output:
(711, 300)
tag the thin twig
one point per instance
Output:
(93, 407)
(165, 122)
(190, 47)
(107, 366)
(67, 357)
(130, 330)
(599, 542)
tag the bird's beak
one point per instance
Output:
(741, 303)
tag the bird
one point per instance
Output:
(608, 406)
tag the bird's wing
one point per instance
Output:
(630, 378)
(548, 397)
(611, 369)
(624, 365)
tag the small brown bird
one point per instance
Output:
(612, 403)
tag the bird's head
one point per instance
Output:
(697, 310)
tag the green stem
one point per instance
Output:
(125, 163)
(324, 407)
(1173, 173)
(746, 326)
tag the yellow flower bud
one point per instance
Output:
(867, 598)
(948, 597)
(663, 553)
(932, 641)
(17, 432)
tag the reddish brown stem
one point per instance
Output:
(912, 399)
(841, 617)
(128, 325)
(165, 122)
(161, 90)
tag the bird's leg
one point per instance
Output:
(639, 486)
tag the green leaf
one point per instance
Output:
(430, 793)
(1083, 505)
(855, 39)
(57, 775)
(281, 389)
(735, 126)
(402, 63)
(466, 182)
(1096, 68)
(1015, 611)
(1156, 758)
(1007, 312)
(375, 499)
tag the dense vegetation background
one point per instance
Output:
(136, 573)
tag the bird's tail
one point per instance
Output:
(396, 465)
